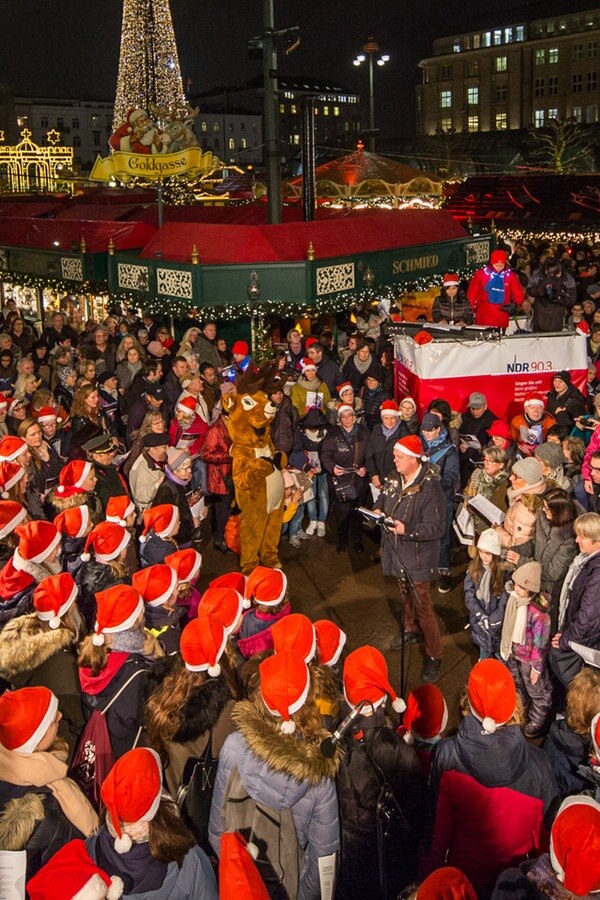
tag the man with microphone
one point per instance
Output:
(414, 504)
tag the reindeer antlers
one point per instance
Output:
(180, 112)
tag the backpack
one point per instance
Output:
(194, 796)
(94, 757)
(272, 831)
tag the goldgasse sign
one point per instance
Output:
(124, 166)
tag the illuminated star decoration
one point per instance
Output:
(2, 138)
(53, 136)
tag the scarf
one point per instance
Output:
(514, 493)
(172, 477)
(495, 287)
(388, 432)
(565, 591)
(515, 623)
(432, 446)
(484, 590)
(130, 641)
(135, 367)
(362, 366)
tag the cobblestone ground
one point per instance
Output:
(350, 589)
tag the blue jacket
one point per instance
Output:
(302, 781)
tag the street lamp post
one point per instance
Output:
(369, 50)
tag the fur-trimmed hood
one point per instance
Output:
(299, 760)
(25, 644)
(19, 819)
(202, 710)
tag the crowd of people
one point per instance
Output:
(165, 737)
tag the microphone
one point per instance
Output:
(329, 744)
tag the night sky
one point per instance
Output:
(68, 48)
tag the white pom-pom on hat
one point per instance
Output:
(143, 538)
(123, 844)
(252, 849)
(288, 727)
(98, 640)
(398, 705)
(5, 495)
(214, 671)
(54, 622)
(85, 557)
(116, 888)
(60, 489)
(246, 603)
(489, 725)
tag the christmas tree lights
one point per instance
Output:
(148, 64)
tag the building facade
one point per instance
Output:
(514, 76)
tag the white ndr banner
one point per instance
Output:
(530, 355)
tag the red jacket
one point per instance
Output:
(487, 313)
(215, 453)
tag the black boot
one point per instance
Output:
(431, 669)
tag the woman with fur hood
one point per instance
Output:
(40, 808)
(274, 758)
(40, 649)
(517, 532)
(76, 487)
(35, 557)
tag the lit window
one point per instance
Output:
(592, 49)
(553, 55)
(203, 126)
(336, 110)
(487, 38)
(576, 84)
(216, 126)
(296, 138)
(539, 87)
(472, 123)
(22, 121)
(476, 41)
(520, 33)
(552, 114)
(445, 99)
(501, 121)
(446, 124)
(231, 143)
(562, 25)
(539, 118)
(293, 109)
(456, 47)
(577, 51)
(281, 109)
(592, 81)
(501, 63)
(508, 35)
(576, 114)
(498, 36)
(243, 143)
(550, 27)
(540, 57)
(325, 110)
(473, 96)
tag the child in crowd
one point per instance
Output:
(485, 594)
(268, 589)
(524, 645)
(188, 565)
(424, 722)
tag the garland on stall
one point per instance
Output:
(561, 237)
(56, 284)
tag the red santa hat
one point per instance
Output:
(389, 408)
(156, 584)
(25, 717)
(53, 597)
(266, 586)
(308, 363)
(187, 563)
(117, 609)
(450, 279)
(107, 540)
(3, 401)
(284, 686)
(72, 477)
(238, 876)
(240, 348)
(410, 445)
(426, 713)
(131, 792)
(295, 632)
(492, 694)
(37, 540)
(575, 845)
(11, 448)
(366, 678)
(310, 341)
(10, 474)
(79, 877)
(447, 883)
(234, 580)
(15, 401)
(203, 642)
(11, 515)
(73, 522)
(225, 604)
(187, 405)
(331, 640)
(344, 387)
(162, 520)
(498, 428)
(46, 414)
(534, 400)
(118, 509)
(134, 115)
(344, 408)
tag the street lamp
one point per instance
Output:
(369, 50)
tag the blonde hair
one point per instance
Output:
(588, 526)
(583, 700)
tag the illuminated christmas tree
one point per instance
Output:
(148, 65)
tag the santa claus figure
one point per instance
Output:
(139, 134)
(493, 290)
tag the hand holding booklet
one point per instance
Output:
(376, 517)
(486, 509)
